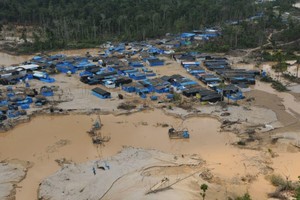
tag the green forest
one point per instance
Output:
(61, 23)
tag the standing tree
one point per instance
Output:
(298, 64)
(280, 68)
(281, 65)
(24, 35)
(297, 195)
(203, 187)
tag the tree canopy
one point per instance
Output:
(64, 22)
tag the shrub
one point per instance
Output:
(245, 197)
(279, 86)
(275, 84)
(277, 180)
(126, 106)
(177, 97)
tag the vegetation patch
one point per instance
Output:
(277, 180)
(126, 106)
(81, 24)
(275, 84)
(241, 143)
(246, 196)
(286, 189)
(291, 78)
(278, 55)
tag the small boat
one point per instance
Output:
(95, 127)
(181, 134)
(95, 132)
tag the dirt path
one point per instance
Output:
(269, 42)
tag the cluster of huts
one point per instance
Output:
(130, 67)
(218, 75)
(15, 101)
(43, 66)
(136, 76)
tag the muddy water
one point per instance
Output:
(145, 132)
(7, 60)
(45, 139)
(42, 141)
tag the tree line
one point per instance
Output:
(70, 22)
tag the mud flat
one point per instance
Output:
(133, 173)
(134, 168)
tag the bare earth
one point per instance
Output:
(228, 170)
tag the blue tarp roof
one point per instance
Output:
(37, 58)
(187, 35)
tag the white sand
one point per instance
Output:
(127, 171)
(10, 174)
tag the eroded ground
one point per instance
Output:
(230, 170)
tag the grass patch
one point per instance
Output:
(279, 86)
(241, 143)
(267, 79)
(291, 78)
(284, 185)
(277, 180)
(245, 197)
(126, 106)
